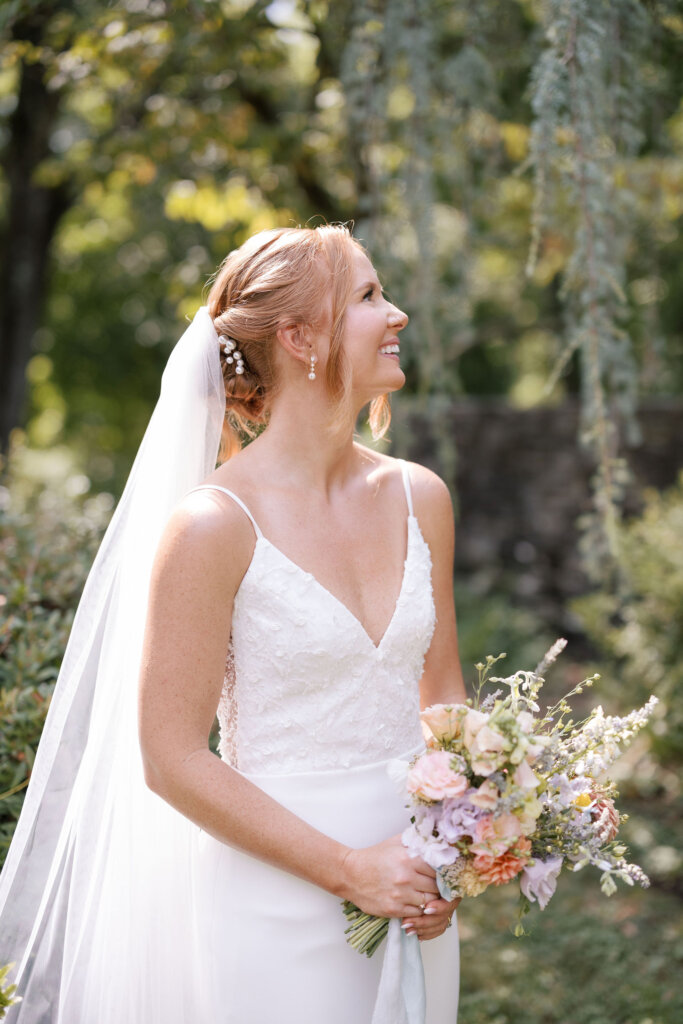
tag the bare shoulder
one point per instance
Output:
(430, 492)
(207, 536)
(431, 498)
(433, 507)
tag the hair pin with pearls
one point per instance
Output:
(232, 353)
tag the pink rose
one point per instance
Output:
(444, 721)
(486, 796)
(495, 835)
(432, 777)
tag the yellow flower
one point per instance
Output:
(470, 883)
(583, 800)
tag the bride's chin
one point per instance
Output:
(399, 381)
(392, 382)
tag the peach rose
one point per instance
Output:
(432, 777)
(495, 835)
(444, 721)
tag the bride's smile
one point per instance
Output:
(371, 342)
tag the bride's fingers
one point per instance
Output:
(438, 907)
(433, 921)
(419, 903)
(426, 895)
(424, 869)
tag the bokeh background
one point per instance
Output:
(515, 168)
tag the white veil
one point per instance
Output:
(96, 895)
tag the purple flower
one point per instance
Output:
(458, 819)
(539, 879)
(420, 841)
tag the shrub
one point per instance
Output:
(47, 544)
(639, 632)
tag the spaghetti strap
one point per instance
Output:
(405, 473)
(216, 487)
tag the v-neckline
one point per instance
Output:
(261, 539)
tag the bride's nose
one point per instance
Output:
(397, 318)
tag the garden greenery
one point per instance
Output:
(46, 548)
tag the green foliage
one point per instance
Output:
(491, 622)
(582, 129)
(46, 547)
(433, 98)
(639, 631)
(7, 991)
(178, 129)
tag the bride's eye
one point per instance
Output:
(369, 293)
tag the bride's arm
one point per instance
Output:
(442, 679)
(202, 558)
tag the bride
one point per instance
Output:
(302, 590)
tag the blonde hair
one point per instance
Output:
(278, 278)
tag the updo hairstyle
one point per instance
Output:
(277, 278)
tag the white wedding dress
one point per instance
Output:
(311, 711)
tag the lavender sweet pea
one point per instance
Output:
(539, 879)
(420, 839)
(459, 819)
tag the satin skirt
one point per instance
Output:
(276, 943)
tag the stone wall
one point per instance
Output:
(522, 480)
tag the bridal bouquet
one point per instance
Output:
(503, 793)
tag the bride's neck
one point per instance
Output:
(301, 440)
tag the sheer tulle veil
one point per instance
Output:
(96, 897)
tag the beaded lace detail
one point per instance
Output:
(227, 711)
(306, 689)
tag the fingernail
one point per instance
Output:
(430, 910)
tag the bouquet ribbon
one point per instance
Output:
(401, 993)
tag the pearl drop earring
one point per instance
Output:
(311, 372)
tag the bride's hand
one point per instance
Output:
(385, 880)
(434, 922)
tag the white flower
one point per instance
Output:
(539, 880)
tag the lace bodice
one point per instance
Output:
(306, 689)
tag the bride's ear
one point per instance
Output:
(293, 339)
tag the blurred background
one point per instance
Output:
(515, 168)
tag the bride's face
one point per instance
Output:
(371, 327)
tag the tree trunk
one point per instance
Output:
(33, 213)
